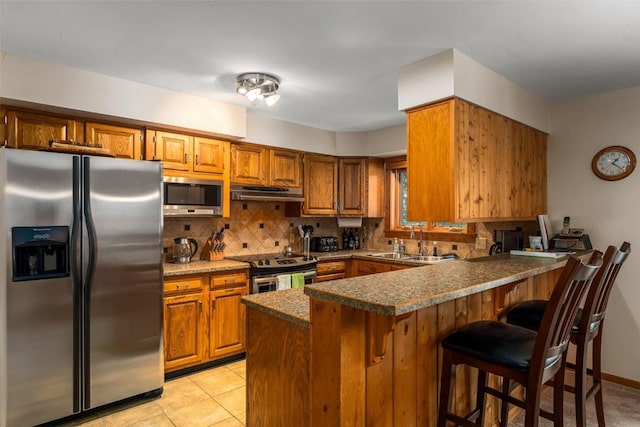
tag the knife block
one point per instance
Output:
(208, 254)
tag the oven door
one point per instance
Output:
(267, 283)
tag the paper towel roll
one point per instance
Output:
(350, 222)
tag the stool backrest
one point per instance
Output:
(598, 295)
(553, 335)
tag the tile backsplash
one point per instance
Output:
(259, 227)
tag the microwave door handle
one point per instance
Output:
(264, 280)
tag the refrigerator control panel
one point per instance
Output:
(40, 252)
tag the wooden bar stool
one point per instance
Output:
(518, 354)
(587, 327)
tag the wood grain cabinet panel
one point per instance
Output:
(174, 149)
(285, 166)
(184, 328)
(121, 141)
(227, 321)
(361, 187)
(33, 131)
(466, 163)
(330, 270)
(258, 165)
(209, 155)
(249, 164)
(320, 185)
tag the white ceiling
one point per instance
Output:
(337, 60)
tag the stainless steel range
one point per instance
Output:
(265, 268)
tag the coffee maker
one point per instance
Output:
(506, 240)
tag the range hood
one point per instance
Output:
(264, 193)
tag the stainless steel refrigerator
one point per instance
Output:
(81, 283)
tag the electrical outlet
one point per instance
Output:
(481, 243)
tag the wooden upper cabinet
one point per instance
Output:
(285, 168)
(466, 163)
(174, 149)
(259, 165)
(320, 185)
(209, 155)
(361, 187)
(121, 141)
(353, 189)
(32, 131)
(249, 164)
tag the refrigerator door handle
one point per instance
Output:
(91, 229)
(76, 226)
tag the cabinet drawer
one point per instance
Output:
(183, 284)
(330, 267)
(333, 276)
(238, 278)
(365, 267)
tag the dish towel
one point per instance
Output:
(297, 280)
(283, 281)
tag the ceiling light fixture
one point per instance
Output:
(257, 86)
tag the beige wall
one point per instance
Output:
(607, 210)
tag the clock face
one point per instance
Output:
(613, 163)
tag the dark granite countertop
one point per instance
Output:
(398, 292)
(198, 267)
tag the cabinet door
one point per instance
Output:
(227, 322)
(184, 321)
(353, 191)
(369, 267)
(208, 155)
(32, 131)
(320, 185)
(122, 142)
(174, 149)
(248, 164)
(285, 168)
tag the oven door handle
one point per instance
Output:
(272, 279)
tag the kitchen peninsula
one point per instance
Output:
(364, 350)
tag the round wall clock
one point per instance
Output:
(613, 163)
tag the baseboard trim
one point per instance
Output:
(621, 380)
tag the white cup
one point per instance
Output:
(535, 242)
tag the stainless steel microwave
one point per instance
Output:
(192, 197)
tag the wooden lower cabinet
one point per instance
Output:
(204, 319)
(361, 268)
(184, 328)
(331, 270)
(227, 321)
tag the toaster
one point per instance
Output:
(324, 244)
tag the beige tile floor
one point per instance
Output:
(213, 397)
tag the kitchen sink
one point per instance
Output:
(427, 259)
(391, 255)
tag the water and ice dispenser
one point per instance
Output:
(40, 252)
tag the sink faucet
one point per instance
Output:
(420, 242)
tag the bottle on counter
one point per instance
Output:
(352, 240)
(396, 245)
(345, 239)
(435, 248)
(357, 241)
(402, 248)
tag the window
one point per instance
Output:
(396, 222)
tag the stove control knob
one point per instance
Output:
(267, 262)
(260, 262)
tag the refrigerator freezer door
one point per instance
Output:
(123, 290)
(36, 191)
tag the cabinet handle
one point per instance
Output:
(213, 304)
(264, 174)
(182, 286)
(197, 159)
(200, 306)
(186, 158)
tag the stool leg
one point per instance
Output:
(580, 387)
(504, 405)
(558, 394)
(482, 384)
(532, 405)
(445, 387)
(597, 378)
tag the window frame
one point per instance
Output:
(392, 207)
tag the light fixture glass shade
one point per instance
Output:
(272, 99)
(254, 94)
